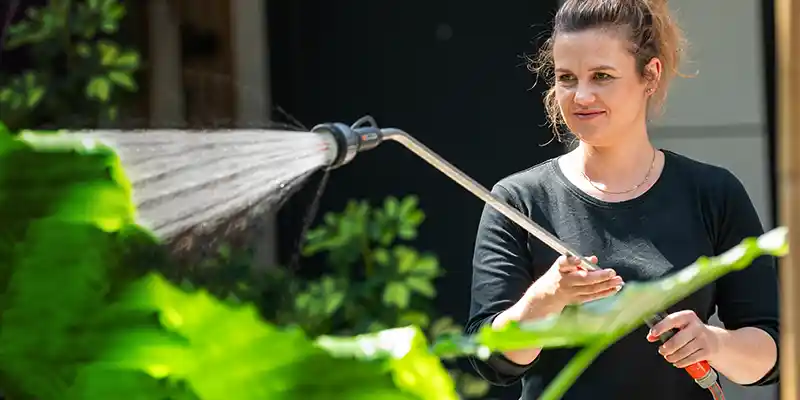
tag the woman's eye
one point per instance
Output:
(566, 78)
(602, 76)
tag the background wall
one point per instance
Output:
(720, 115)
(450, 73)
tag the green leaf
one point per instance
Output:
(122, 80)
(322, 298)
(422, 286)
(391, 207)
(416, 318)
(396, 294)
(63, 202)
(388, 365)
(129, 60)
(83, 50)
(112, 332)
(444, 326)
(224, 251)
(99, 88)
(414, 368)
(414, 218)
(617, 315)
(112, 112)
(409, 205)
(600, 323)
(35, 96)
(407, 232)
(109, 53)
(427, 266)
(406, 259)
(382, 257)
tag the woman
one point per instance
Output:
(639, 211)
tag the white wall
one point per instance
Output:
(719, 116)
(725, 48)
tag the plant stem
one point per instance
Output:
(567, 377)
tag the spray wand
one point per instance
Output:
(344, 142)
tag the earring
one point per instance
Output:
(651, 90)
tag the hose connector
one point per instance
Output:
(708, 378)
(363, 135)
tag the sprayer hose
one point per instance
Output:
(716, 391)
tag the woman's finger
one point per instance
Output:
(568, 264)
(680, 356)
(693, 358)
(584, 278)
(612, 284)
(679, 320)
(588, 290)
(677, 341)
(596, 295)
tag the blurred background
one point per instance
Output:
(453, 74)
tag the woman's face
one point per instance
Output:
(601, 94)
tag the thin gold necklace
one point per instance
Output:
(646, 178)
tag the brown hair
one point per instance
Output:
(647, 24)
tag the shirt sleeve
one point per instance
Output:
(747, 297)
(500, 276)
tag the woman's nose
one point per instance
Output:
(584, 95)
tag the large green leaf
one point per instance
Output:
(226, 352)
(63, 204)
(600, 323)
(77, 323)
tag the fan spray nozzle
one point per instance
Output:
(363, 135)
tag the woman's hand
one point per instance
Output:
(567, 282)
(564, 283)
(695, 342)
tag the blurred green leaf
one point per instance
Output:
(396, 294)
(109, 53)
(416, 318)
(122, 80)
(99, 88)
(129, 60)
(421, 285)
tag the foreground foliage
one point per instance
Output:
(84, 317)
(77, 68)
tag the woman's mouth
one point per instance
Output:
(589, 114)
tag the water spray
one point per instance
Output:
(344, 142)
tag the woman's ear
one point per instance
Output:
(652, 71)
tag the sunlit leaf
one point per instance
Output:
(122, 79)
(99, 88)
(396, 294)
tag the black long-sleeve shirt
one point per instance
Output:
(694, 209)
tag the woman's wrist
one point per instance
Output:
(520, 357)
(540, 300)
(534, 304)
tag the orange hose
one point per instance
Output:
(716, 391)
